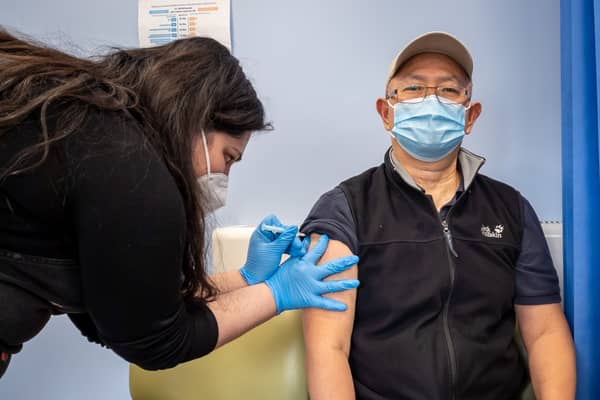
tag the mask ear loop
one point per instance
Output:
(470, 102)
(206, 152)
(393, 107)
(466, 111)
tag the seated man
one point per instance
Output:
(450, 258)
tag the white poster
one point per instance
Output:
(162, 21)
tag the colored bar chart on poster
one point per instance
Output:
(163, 21)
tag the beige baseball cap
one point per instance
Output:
(433, 42)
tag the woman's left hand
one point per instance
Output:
(266, 249)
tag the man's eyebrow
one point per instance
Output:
(445, 78)
(450, 78)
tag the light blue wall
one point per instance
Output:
(319, 66)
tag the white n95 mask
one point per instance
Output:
(214, 185)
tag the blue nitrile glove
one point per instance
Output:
(298, 283)
(299, 247)
(266, 249)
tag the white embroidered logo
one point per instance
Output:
(496, 233)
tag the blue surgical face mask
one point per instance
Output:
(429, 130)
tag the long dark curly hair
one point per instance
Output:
(174, 90)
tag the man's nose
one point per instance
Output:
(429, 90)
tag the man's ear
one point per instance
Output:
(386, 112)
(472, 114)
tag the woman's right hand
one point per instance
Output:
(298, 283)
(266, 249)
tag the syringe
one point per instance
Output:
(277, 229)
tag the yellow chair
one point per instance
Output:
(266, 363)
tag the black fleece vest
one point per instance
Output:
(434, 313)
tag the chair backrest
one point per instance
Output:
(265, 363)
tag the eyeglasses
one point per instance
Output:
(414, 93)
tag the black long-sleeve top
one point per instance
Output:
(106, 199)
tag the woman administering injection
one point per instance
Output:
(108, 167)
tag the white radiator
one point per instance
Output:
(554, 236)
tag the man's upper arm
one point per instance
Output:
(536, 320)
(536, 281)
(331, 215)
(329, 329)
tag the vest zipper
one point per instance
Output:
(448, 236)
(450, 251)
(450, 344)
